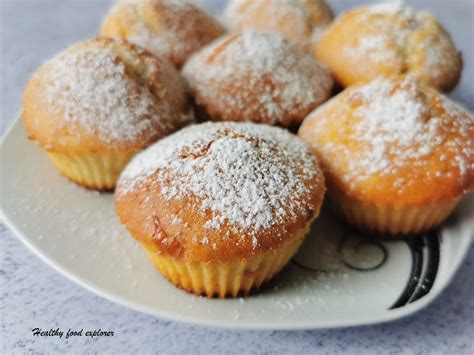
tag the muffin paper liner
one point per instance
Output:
(98, 172)
(225, 279)
(389, 220)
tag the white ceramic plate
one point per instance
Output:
(339, 277)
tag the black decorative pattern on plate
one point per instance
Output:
(425, 254)
(425, 251)
(358, 248)
(350, 246)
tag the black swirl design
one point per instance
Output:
(358, 249)
(355, 245)
(425, 251)
(425, 254)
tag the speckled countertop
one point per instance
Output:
(33, 295)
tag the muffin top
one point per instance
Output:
(394, 141)
(103, 95)
(224, 190)
(172, 28)
(388, 39)
(256, 76)
(299, 21)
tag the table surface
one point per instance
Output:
(33, 295)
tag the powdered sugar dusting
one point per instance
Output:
(92, 88)
(398, 128)
(301, 22)
(257, 76)
(399, 34)
(248, 176)
(390, 121)
(180, 27)
(166, 42)
(376, 46)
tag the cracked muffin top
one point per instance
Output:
(104, 95)
(393, 141)
(171, 28)
(388, 39)
(258, 77)
(220, 190)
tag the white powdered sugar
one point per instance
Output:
(399, 33)
(247, 176)
(393, 124)
(299, 21)
(395, 127)
(93, 89)
(376, 46)
(257, 74)
(165, 42)
(178, 27)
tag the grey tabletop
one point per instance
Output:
(33, 295)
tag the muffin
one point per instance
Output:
(300, 21)
(95, 105)
(171, 28)
(221, 207)
(389, 39)
(397, 155)
(257, 77)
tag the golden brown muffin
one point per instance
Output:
(95, 105)
(221, 207)
(172, 28)
(398, 156)
(256, 76)
(389, 39)
(300, 21)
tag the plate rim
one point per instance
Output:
(387, 316)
